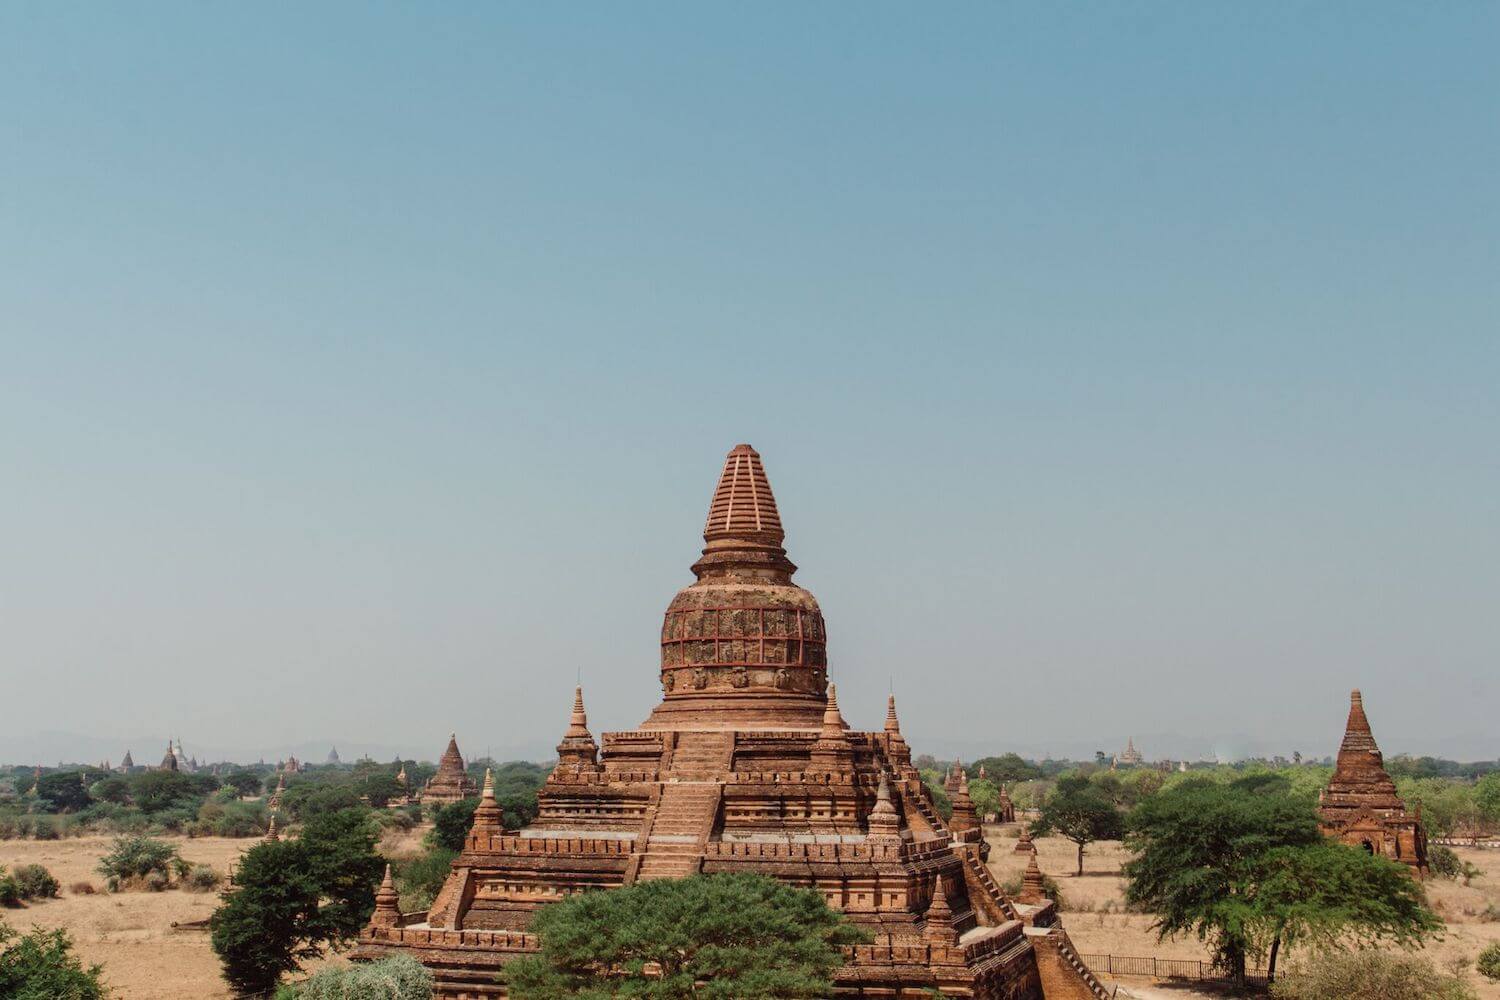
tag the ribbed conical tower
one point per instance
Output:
(743, 647)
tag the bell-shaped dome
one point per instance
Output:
(744, 647)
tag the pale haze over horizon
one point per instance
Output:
(1119, 370)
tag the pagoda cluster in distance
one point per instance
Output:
(746, 765)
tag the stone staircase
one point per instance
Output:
(684, 819)
(989, 898)
(701, 756)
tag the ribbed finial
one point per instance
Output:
(892, 724)
(743, 506)
(578, 721)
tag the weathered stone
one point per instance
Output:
(1360, 806)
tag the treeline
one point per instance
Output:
(1458, 800)
(72, 801)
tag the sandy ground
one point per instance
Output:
(1093, 908)
(131, 933)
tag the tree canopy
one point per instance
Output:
(1244, 867)
(293, 898)
(1080, 811)
(41, 966)
(734, 937)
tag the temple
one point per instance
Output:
(747, 765)
(451, 783)
(1360, 806)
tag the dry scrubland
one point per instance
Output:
(131, 933)
(144, 958)
(1094, 905)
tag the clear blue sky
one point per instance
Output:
(1120, 368)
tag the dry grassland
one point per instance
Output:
(1093, 906)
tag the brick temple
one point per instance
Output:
(747, 765)
(1360, 806)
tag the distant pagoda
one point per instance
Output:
(1360, 806)
(451, 783)
(1130, 756)
(746, 765)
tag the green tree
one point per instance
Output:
(293, 899)
(378, 789)
(1487, 797)
(1080, 812)
(1200, 849)
(269, 922)
(41, 966)
(985, 796)
(158, 791)
(112, 789)
(244, 783)
(1008, 767)
(1325, 896)
(64, 791)
(341, 857)
(735, 937)
(450, 824)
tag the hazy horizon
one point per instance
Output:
(1119, 371)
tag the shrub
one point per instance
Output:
(450, 824)
(241, 819)
(1369, 975)
(201, 878)
(157, 881)
(35, 882)
(1488, 965)
(399, 978)
(1012, 888)
(82, 889)
(39, 966)
(1443, 861)
(418, 879)
(134, 858)
(48, 827)
(10, 892)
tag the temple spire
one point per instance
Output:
(743, 531)
(1033, 888)
(578, 721)
(939, 925)
(743, 506)
(832, 749)
(387, 911)
(488, 819)
(578, 751)
(885, 822)
(271, 835)
(964, 816)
